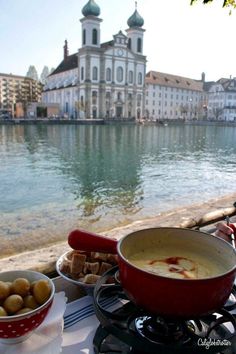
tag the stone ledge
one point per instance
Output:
(202, 215)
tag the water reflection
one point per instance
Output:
(102, 176)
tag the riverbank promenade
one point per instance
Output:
(102, 121)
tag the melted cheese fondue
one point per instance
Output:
(182, 266)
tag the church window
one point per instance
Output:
(139, 97)
(108, 95)
(82, 73)
(129, 43)
(94, 112)
(131, 77)
(139, 45)
(95, 73)
(94, 97)
(95, 36)
(84, 37)
(140, 78)
(108, 74)
(119, 74)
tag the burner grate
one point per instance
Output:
(130, 330)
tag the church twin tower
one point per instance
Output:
(102, 80)
(112, 74)
(91, 28)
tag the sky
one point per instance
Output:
(179, 39)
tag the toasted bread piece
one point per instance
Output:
(77, 263)
(98, 256)
(93, 267)
(104, 267)
(91, 278)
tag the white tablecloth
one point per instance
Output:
(47, 338)
(80, 324)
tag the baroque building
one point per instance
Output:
(102, 80)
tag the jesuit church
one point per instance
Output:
(102, 80)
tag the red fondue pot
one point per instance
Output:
(186, 298)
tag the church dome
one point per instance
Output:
(135, 20)
(91, 9)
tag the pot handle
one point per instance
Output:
(88, 241)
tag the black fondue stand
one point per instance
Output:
(130, 330)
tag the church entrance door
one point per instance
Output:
(119, 111)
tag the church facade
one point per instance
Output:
(102, 80)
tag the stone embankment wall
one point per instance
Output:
(203, 216)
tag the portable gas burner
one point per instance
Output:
(130, 330)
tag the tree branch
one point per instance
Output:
(226, 3)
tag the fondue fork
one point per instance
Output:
(232, 237)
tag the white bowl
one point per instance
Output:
(89, 288)
(17, 328)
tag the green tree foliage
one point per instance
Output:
(225, 3)
(231, 4)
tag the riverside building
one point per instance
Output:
(172, 97)
(222, 100)
(16, 92)
(102, 80)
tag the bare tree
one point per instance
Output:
(217, 112)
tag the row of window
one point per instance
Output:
(218, 97)
(119, 96)
(172, 96)
(119, 75)
(171, 104)
(221, 104)
(166, 103)
(172, 89)
(176, 113)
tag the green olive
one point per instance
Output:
(13, 303)
(2, 311)
(41, 291)
(4, 290)
(21, 286)
(29, 301)
(23, 310)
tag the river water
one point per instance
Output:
(57, 177)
